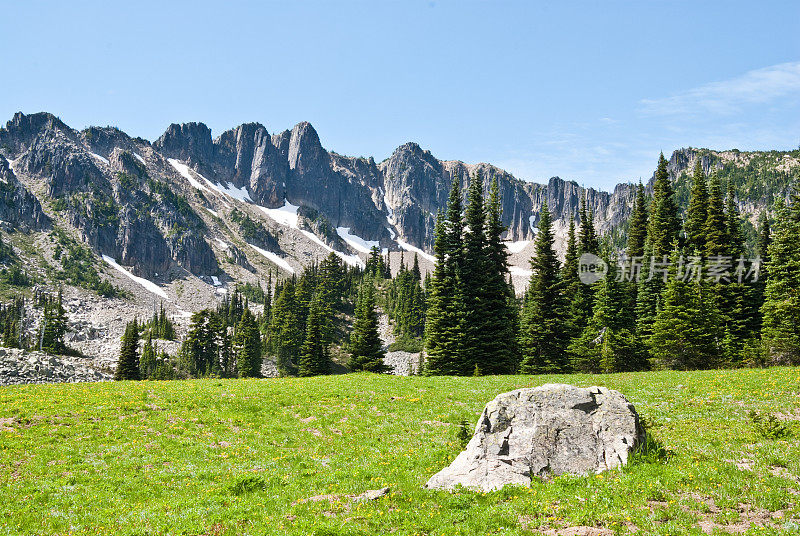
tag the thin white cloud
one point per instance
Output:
(729, 96)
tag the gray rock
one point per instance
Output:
(371, 495)
(547, 430)
(24, 366)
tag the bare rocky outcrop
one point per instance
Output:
(547, 430)
(22, 366)
(19, 209)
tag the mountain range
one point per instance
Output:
(183, 218)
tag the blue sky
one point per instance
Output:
(589, 91)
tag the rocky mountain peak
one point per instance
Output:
(190, 142)
(305, 149)
(22, 129)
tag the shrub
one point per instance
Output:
(769, 427)
(247, 484)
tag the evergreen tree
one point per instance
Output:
(199, 352)
(442, 327)
(53, 326)
(781, 309)
(501, 322)
(147, 361)
(663, 232)
(247, 346)
(543, 337)
(569, 272)
(637, 232)
(716, 229)
(664, 225)
(588, 242)
(608, 344)
(733, 226)
(684, 331)
(330, 283)
(475, 337)
(366, 351)
(314, 357)
(697, 213)
(740, 307)
(764, 239)
(128, 365)
(581, 296)
(376, 266)
(286, 336)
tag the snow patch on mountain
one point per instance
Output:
(149, 285)
(240, 194)
(139, 158)
(274, 258)
(183, 170)
(408, 247)
(285, 215)
(228, 189)
(101, 158)
(355, 241)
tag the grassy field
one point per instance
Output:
(241, 457)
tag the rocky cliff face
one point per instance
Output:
(19, 209)
(106, 192)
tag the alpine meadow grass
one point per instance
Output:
(285, 456)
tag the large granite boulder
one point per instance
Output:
(547, 430)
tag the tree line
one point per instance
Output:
(691, 314)
(701, 314)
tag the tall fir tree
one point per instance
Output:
(475, 337)
(147, 361)
(663, 232)
(764, 238)
(663, 224)
(200, 350)
(637, 231)
(543, 337)
(733, 225)
(501, 322)
(716, 228)
(314, 356)
(366, 350)
(128, 364)
(580, 296)
(762, 253)
(285, 334)
(247, 346)
(588, 241)
(740, 307)
(781, 309)
(569, 272)
(53, 326)
(684, 333)
(608, 343)
(443, 322)
(697, 213)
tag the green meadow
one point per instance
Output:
(286, 456)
